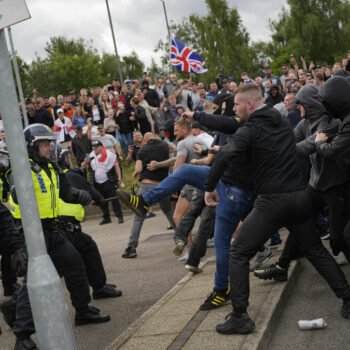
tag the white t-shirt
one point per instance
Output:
(102, 163)
(208, 139)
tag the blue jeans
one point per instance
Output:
(193, 175)
(232, 206)
(127, 141)
(233, 203)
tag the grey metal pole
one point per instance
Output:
(50, 312)
(166, 19)
(115, 45)
(18, 77)
(169, 36)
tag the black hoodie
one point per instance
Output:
(151, 96)
(273, 100)
(269, 143)
(325, 173)
(335, 96)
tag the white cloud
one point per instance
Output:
(138, 24)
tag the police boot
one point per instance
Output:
(90, 315)
(107, 291)
(25, 344)
(8, 309)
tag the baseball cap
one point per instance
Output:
(96, 143)
(126, 81)
(37, 102)
(60, 110)
(72, 92)
(99, 126)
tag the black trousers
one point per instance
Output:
(107, 190)
(272, 211)
(68, 264)
(8, 275)
(334, 199)
(90, 254)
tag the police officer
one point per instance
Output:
(11, 242)
(71, 215)
(50, 184)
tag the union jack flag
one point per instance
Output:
(184, 59)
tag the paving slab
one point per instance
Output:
(176, 318)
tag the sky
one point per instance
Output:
(138, 24)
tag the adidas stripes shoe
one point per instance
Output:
(216, 299)
(134, 202)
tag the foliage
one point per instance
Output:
(219, 38)
(319, 29)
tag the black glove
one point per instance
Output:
(83, 197)
(19, 262)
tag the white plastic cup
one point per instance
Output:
(312, 324)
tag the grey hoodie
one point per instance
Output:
(325, 173)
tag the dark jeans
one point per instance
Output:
(68, 264)
(205, 230)
(270, 212)
(107, 190)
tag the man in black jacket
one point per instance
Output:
(42, 115)
(327, 184)
(281, 201)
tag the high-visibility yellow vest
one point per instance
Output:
(47, 195)
(74, 210)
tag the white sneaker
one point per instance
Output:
(340, 259)
(185, 257)
(260, 258)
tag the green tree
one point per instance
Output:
(219, 38)
(319, 29)
(70, 65)
(23, 69)
(132, 66)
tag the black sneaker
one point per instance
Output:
(25, 344)
(345, 310)
(236, 325)
(90, 315)
(272, 272)
(134, 202)
(216, 299)
(129, 253)
(107, 291)
(8, 309)
(105, 221)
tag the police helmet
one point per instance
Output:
(35, 133)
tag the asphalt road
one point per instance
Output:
(143, 280)
(310, 299)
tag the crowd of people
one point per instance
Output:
(248, 155)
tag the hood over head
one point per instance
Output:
(308, 96)
(145, 82)
(335, 96)
(220, 99)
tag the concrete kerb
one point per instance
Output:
(122, 338)
(270, 314)
(266, 320)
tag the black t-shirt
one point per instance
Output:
(154, 150)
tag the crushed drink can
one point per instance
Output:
(312, 324)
